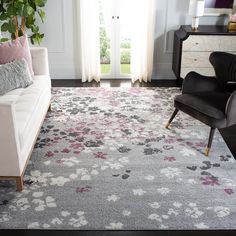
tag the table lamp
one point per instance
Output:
(196, 10)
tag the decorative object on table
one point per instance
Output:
(205, 99)
(196, 10)
(19, 15)
(218, 7)
(232, 23)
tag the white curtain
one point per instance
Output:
(142, 42)
(90, 40)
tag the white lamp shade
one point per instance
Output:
(196, 8)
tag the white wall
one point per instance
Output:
(61, 36)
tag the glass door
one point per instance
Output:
(115, 40)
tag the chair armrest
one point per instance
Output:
(40, 61)
(231, 110)
(195, 82)
(9, 142)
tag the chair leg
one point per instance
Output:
(19, 183)
(172, 118)
(212, 133)
(50, 108)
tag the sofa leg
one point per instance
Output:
(50, 107)
(212, 133)
(19, 183)
(172, 118)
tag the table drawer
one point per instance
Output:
(209, 43)
(195, 59)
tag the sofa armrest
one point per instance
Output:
(194, 83)
(40, 61)
(231, 110)
(9, 142)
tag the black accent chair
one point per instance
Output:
(210, 99)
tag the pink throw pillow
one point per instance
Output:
(17, 49)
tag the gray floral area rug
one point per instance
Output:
(103, 160)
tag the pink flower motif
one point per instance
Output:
(100, 155)
(229, 191)
(60, 161)
(209, 180)
(170, 159)
(50, 154)
(85, 189)
(66, 150)
(76, 145)
(200, 144)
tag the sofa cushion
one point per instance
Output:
(14, 75)
(17, 49)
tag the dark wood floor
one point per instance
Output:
(228, 134)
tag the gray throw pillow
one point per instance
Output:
(14, 75)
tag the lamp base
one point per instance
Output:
(195, 23)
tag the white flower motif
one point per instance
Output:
(165, 217)
(73, 176)
(46, 226)
(126, 213)
(115, 166)
(201, 226)
(124, 160)
(77, 223)
(65, 213)
(222, 211)
(115, 226)
(194, 212)
(139, 192)
(170, 172)
(104, 167)
(23, 204)
(56, 221)
(173, 212)
(59, 181)
(149, 178)
(155, 217)
(177, 204)
(229, 182)
(192, 181)
(94, 172)
(163, 191)
(47, 163)
(112, 198)
(154, 205)
(33, 225)
(86, 177)
(80, 213)
(188, 152)
(4, 217)
(192, 204)
(163, 227)
(38, 194)
(50, 202)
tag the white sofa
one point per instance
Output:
(22, 112)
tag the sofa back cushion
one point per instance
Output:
(14, 75)
(17, 49)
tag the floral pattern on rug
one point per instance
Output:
(104, 160)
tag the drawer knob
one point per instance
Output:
(197, 43)
(195, 59)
